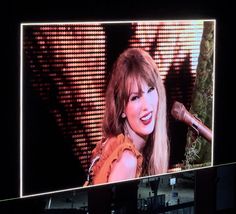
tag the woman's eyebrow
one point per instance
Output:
(137, 92)
(133, 94)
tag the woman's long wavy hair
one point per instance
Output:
(135, 65)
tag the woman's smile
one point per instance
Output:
(147, 118)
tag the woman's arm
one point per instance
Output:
(124, 168)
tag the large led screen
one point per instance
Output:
(105, 102)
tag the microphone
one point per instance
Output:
(180, 113)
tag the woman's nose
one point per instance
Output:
(146, 102)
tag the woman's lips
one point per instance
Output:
(146, 119)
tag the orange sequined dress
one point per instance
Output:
(106, 153)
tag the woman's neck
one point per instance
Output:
(138, 141)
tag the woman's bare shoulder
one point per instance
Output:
(124, 168)
(128, 159)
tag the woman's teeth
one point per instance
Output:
(146, 117)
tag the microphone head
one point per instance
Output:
(178, 111)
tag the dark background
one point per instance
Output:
(16, 12)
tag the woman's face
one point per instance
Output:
(141, 109)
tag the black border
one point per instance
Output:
(40, 11)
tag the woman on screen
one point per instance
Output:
(135, 141)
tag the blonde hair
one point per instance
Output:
(135, 64)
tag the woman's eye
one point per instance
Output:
(133, 98)
(151, 89)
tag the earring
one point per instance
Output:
(123, 115)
